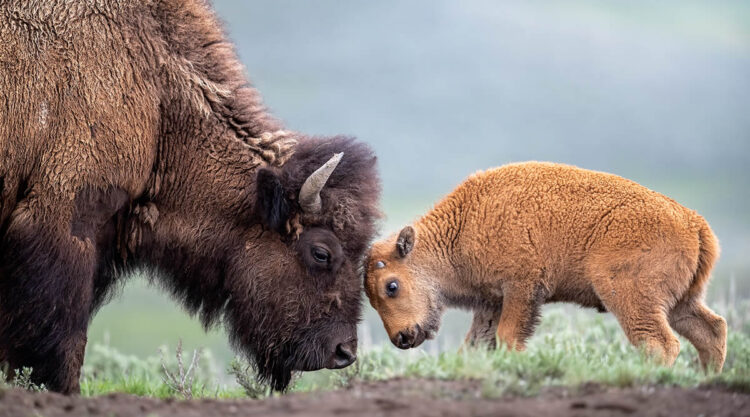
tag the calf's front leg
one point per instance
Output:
(483, 329)
(521, 313)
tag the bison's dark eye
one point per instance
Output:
(391, 288)
(379, 265)
(321, 255)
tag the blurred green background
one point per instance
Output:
(658, 92)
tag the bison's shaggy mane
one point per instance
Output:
(198, 275)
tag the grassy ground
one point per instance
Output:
(570, 348)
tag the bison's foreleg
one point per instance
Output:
(522, 303)
(483, 329)
(46, 294)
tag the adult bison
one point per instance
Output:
(131, 139)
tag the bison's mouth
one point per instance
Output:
(339, 356)
(322, 348)
(278, 370)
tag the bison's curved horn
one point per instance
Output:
(309, 194)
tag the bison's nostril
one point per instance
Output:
(344, 356)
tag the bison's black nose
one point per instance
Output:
(345, 355)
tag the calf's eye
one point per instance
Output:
(379, 265)
(391, 288)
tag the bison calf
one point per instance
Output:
(510, 239)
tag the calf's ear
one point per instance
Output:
(273, 205)
(405, 241)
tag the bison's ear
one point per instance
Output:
(405, 241)
(273, 206)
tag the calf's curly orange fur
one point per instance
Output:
(510, 239)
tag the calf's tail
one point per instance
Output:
(707, 256)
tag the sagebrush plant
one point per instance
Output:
(21, 379)
(247, 378)
(182, 379)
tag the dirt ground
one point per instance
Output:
(398, 398)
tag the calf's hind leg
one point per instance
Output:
(706, 330)
(640, 310)
(648, 328)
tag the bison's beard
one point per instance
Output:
(276, 369)
(273, 361)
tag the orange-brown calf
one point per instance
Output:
(510, 239)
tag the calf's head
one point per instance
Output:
(296, 296)
(402, 290)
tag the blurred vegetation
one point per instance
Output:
(144, 318)
(569, 349)
(108, 370)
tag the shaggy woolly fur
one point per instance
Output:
(509, 239)
(130, 138)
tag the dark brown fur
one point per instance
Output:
(131, 139)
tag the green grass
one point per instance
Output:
(600, 354)
(564, 352)
(107, 370)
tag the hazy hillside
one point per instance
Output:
(655, 91)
